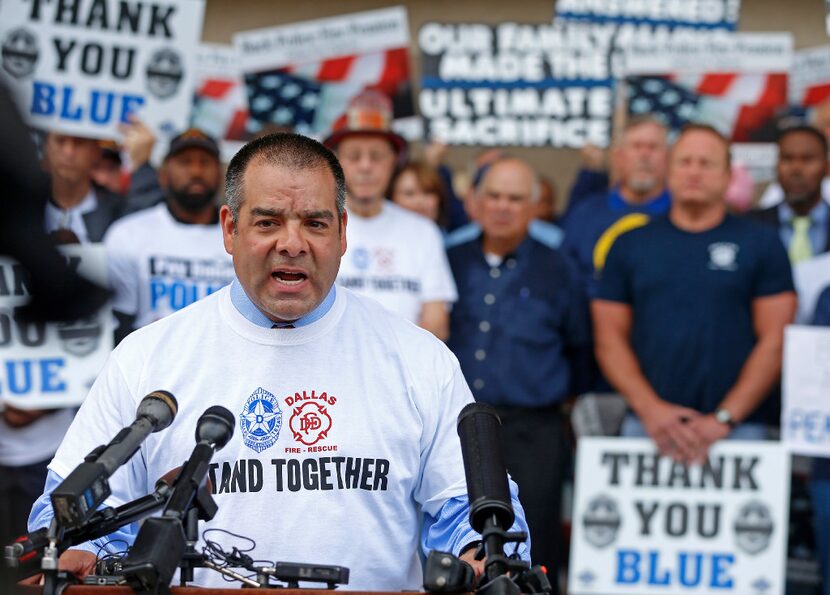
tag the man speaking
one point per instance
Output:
(345, 412)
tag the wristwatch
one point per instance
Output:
(723, 416)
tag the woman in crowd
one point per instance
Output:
(418, 188)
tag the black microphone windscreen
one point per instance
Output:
(160, 406)
(215, 426)
(479, 429)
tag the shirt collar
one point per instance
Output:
(88, 204)
(819, 213)
(656, 206)
(246, 307)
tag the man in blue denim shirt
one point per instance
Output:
(519, 329)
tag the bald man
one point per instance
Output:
(520, 330)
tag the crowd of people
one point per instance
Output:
(647, 284)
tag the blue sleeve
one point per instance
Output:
(451, 531)
(614, 283)
(587, 183)
(822, 313)
(42, 514)
(774, 274)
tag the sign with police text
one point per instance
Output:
(646, 525)
(51, 365)
(82, 67)
(805, 410)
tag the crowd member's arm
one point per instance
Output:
(613, 319)
(578, 337)
(435, 318)
(665, 422)
(438, 289)
(591, 178)
(761, 370)
(144, 190)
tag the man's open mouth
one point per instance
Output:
(289, 277)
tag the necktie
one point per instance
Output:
(800, 246)
(283, 325)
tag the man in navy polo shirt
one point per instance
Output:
(691, 310)
(520, 331)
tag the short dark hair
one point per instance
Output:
(805, 129)
(699, 127)
(285, 149)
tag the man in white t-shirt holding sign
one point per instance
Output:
(282, 347)
(394, 256)
(166, 257)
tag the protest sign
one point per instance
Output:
(810, 77)
(805, 407)
(647, 525)
(220, 106)
(700, 14)
(51, 365)
(514, 84)
(83, 67)
(737, 84)
(302, 76)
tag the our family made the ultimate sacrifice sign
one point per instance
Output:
(81, 67)
(646, 525)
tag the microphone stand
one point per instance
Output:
(46, 545)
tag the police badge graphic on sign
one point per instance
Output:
(260, 420)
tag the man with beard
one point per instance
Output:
(166, 257)
(639, 162)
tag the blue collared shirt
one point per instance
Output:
(516, 326)
(246, 307)
(818, 225)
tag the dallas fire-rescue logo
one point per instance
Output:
(310, 422)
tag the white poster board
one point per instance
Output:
(645, 525)
(805, 406)
(82, 68)
(51, 365)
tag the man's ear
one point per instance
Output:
(228, 226)
(343, 221)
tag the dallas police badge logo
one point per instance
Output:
(164, 73)
(723, 256)
(310, 422)
(20, 53)
(260, 420)
(753, 528)
(601, 521)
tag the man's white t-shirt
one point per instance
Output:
(343, 427)
(158, 265)
(398, 259)
(36, 442)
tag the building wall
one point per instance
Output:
(804, 18)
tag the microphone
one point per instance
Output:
(77, 497)
(161, 541)
(479, 429)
